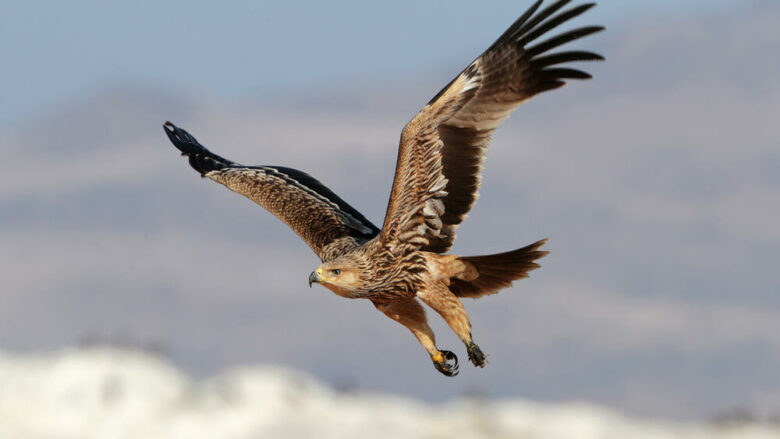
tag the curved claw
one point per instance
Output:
(444, 366)
(476, 355)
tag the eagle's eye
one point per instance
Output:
(336, 272)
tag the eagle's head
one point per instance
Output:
(340, 276)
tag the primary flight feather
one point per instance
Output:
(437, 179)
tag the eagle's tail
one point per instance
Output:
(201, 159)
(496, 272)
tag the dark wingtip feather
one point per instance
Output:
(540, 62)
(562, 39)
(547, 85)
(539, 18)
(564, 73)
(519, 23)
(200, 158)
(534, 33)
(539, 55)
(182, 140)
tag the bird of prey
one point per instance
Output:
(437, 178)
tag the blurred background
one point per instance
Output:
(657, 184)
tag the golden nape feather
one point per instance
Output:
(437, 180)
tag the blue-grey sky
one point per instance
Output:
(54, 51)
(656, 182)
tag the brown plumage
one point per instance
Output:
(437, 178)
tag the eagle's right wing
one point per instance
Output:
(439, 168)
(326, 222)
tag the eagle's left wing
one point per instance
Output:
(438, 173)
(321, 218)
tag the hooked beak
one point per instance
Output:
(314, 277)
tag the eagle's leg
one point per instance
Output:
(411, 314)
(444, 302)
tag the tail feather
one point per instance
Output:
(496, 272)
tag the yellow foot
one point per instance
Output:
(446, 362)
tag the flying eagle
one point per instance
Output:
(437, 178)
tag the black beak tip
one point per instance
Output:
(313, 278)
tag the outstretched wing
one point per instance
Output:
(326, 222)
(438, 173)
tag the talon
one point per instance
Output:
(476, 355)
(443, 365)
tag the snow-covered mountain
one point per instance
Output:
(114, 393)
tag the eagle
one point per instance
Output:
(436, 183)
